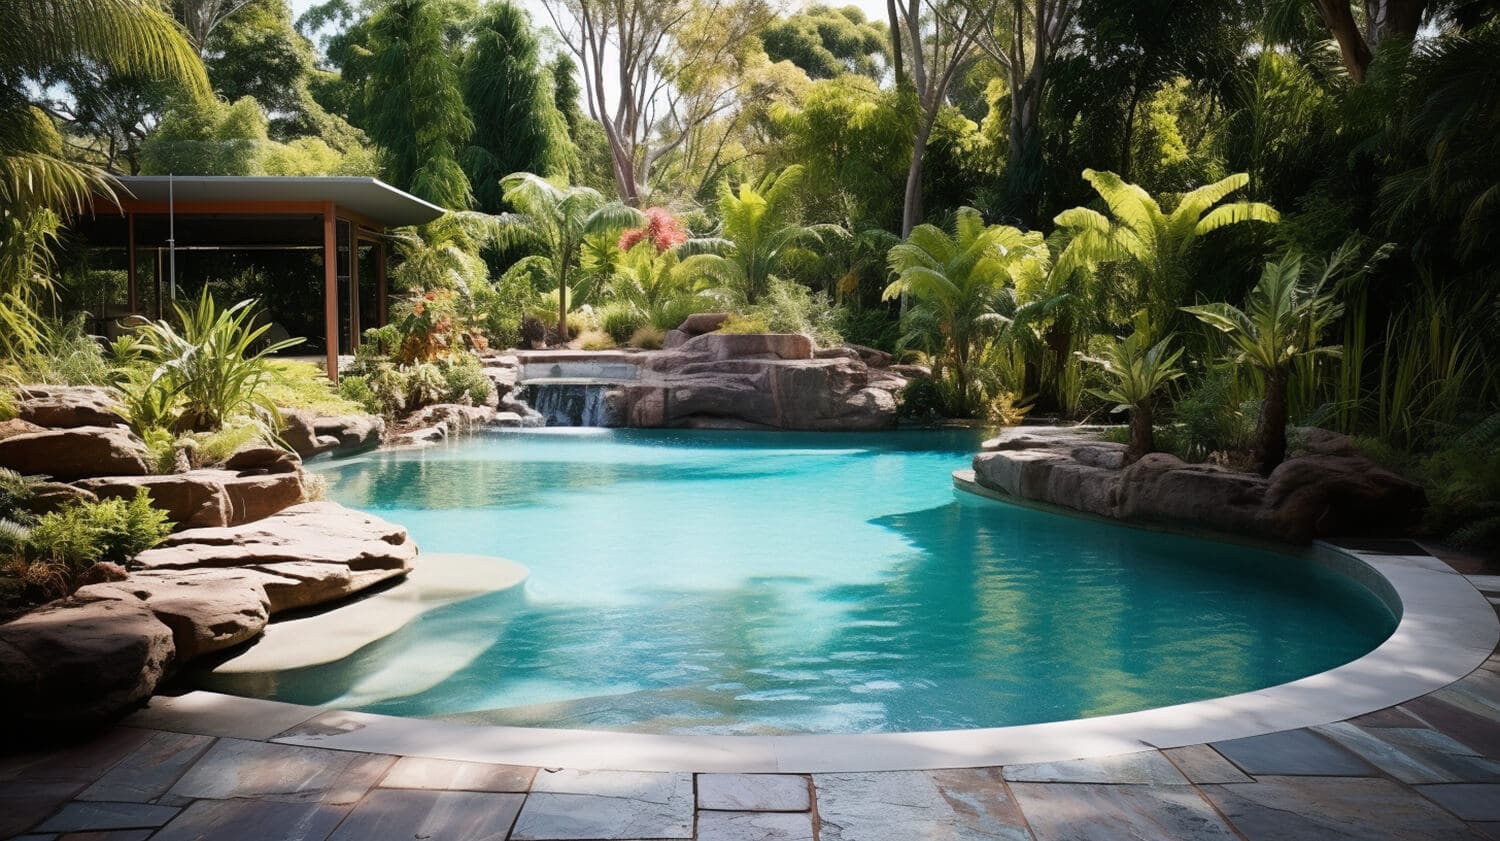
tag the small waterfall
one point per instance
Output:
(571, 404)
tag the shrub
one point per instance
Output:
(581, 321)
(424, 384)
(673, 311)
(1209, 422)
(64, 543)
(303, 385)
(464, 380)
(533, 331)
(355, 388)
(922, 399)
(648, 338)
(205, 448)
(66, 356)
(209, 365)
(595, 340)
(793, 308)
(620, 320)
(737, 323)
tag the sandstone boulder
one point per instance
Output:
(873, 357)
(81, 660)
(206, 612)
(702, 322)
(299, 434)
(750, 345)
(208, 497)
(68, 406)
(317, 532)
(16, 426)
(47, 497)
(355, 433)
(267, 459)
(76, 453)
(1308, 496)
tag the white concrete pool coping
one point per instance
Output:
(1446, 630)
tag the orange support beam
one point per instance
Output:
(331, 291)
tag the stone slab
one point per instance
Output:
(1203, 764)
(1331, 809)
(607, 805)
(238, 768)
(755, 826)
(1470, 801)
(82, 763)
(956, 805)
(753, 792)
(102, 835)
(1144, 768)
(1094, 812)
(403, 815)
(213, 714)
(253, 820)
(75, 817)
(1414, 755)
(24, 803)
(419, 772)
(1293, 752)
(1465, 726)
(150, 769)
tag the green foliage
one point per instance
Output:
(425, 384)
(81, 534)
(737, 324)
(214, 367)
(1137, 372)
(208, 138)
(414, 103)
(620, 320)
(1152, 245)
(64, 355)
(648, 337)
(517, 127)
(291, 384)
(959, 288)
(758, 237)
(827, 42)
(464, 380)
(792, 308)
(1210, 422)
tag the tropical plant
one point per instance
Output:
(1152, 245)
(757, 236)
(556, 220)
(959, 288)
(1284, 319)
(213, 367)
(1137, 371)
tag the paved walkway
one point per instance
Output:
(1426, 769)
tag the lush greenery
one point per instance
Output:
(1030, 196)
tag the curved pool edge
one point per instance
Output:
(1446, 630)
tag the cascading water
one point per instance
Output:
(571, 404)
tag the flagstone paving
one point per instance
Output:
(1426, 769)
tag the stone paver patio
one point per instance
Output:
(1425, 769)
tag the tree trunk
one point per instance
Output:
(1142, 438)
(1024, 165)
(890, 10)
(911, 207)
(1339, 19)
(1271, 437)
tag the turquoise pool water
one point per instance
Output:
(713, 582)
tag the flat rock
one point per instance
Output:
(420, 772)
(149, 770)
(252, 820)
(1331, 809)
(957, 805)
(355, 433)
(402, 814)
(315, 532)
(263, 458)
(206, 498)
(607, 805)
(1094, 812)
(236, 768)
(206, 613)
(703, 322)
(298, 432)
(1292, 752)
(1144, 768)
(82, 817)
(754, 826)
(753, 792)
(81, 660)
(67, 406)
(743, 345)
(77, 453)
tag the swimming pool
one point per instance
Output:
(715, 582)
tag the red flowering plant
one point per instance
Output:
(428, 324)
(662, 229)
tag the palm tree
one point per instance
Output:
(39, 186)
(1284, 319)
(557, 220)
(1137, 373)
(1154, 246)
(756, 237)
(960, 285)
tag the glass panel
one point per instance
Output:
(369, 309)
